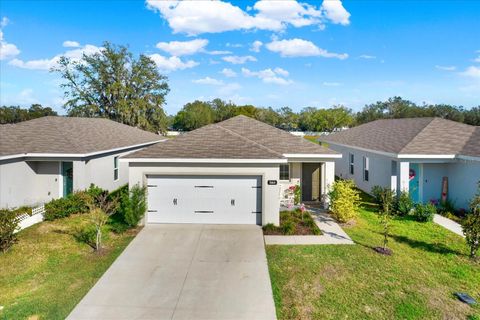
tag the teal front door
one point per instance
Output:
(67, 174)
(414, 185)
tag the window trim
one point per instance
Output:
(116, 172)
(351, 164)
(366, 168)
(287, 172)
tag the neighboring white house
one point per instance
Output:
(425, 156)
(232, 172)
(50, 157)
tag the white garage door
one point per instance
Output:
(205, 199)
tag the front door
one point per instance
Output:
(67, 175)
(311, 178)
(414, 184)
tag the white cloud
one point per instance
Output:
(301, 48)
(4, 22)
(7, 50)
(233, 45)
(275, 76)
(332, 84)
(229, 73)
(183, 48)
(220, 16)
(46, 64)
(239, 59)
(335, 12)
(172, 63)
(446, 68)
(71, 44)
(472, 72)
(477, 59)
(208, 81)
(367, 56)
(229, 89)
(218, 52)
(256, 46)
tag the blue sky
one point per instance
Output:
(266, 53)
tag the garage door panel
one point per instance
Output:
(204, 199)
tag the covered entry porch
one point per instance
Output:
(311, 178)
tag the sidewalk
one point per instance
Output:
(332, 232)
(448, 224)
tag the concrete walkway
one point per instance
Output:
(185, 272)
(448, 224)
(332, 232)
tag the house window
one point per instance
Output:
(366, 167)
(284, 172)
(115, 168)
(352, 160)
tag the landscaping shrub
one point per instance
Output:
(424, 212)
(288, 228)
(297, 194)
(404, 204)
(344, 200)
(471, 229)
(77, 202)
(8, 225)
(135, 205)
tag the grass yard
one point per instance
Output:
(428, 265)
(47, 272)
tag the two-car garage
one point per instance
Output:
(209, 199)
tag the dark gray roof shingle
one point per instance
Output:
(423, 136)
(69, 135)
(239, 137)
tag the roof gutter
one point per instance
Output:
(312, 155)
(75, 155)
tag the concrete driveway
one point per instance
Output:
(185, 272)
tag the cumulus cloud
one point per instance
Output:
(472, 72)
(209, 81)
(183, 48)
(239, 59)
(229, 73)
(172, 63)
(256, 46)
(71, 44)
(335, 12)
(275, 76)
(301, 48)
(446, 68)
(218, 52)
(46, 64)
(220, 16)
(7, 50)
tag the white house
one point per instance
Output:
(429, 157)
(232, 172)
(49, 157)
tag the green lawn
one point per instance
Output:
(47, 272)
(428, 265)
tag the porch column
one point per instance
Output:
(403, 180)
(79, 176)
(328, 178)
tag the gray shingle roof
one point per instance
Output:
(423, 136)
(69, 135)
(239, 137)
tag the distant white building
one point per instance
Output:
(429, 157)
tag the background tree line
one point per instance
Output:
(115, 84)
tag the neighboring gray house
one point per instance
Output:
(415, 154)
(235, 172)
(49, 157)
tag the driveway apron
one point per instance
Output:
(185, 272)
